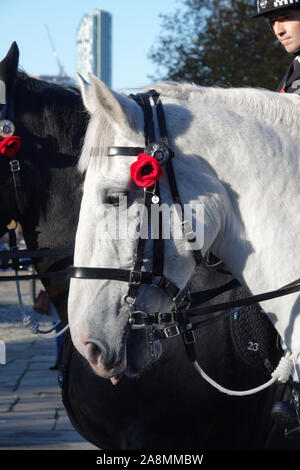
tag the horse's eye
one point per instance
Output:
(115, 199)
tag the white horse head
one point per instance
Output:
(236, 155)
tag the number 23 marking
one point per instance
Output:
(252, 346)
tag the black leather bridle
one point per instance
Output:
(178, 320)
(136, 276)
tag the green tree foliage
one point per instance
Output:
(216, 42)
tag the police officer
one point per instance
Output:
(284, 19)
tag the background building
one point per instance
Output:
(94, 46)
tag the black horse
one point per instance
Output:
(169, 406)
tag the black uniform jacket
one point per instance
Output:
(291, 80)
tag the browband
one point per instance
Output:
(126, 151)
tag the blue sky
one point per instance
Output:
(136, 25)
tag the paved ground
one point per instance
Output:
(32, 415)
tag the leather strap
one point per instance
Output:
(29, 277)
(111, 274)
(198, 298)
(20, 254)
(138, 260)
(286, 290)
(158, 243)
(126, 151)
(170, 171)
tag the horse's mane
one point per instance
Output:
(51, 110)
(270, 107)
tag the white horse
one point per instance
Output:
(237, 154)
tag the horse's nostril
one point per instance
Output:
(93, 353)
(98, 356)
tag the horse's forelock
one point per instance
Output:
(48, 109)
(100, 135)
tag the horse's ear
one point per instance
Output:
(114, 105)
(86, 93)
(9, 65)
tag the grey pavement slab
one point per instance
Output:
(6, 403)
(32, 415)
(43, 440)
(33, 404)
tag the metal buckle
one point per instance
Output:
(137, 320)
(138, 280)
(161, 318)
(171, 331)
(15, 165)
(189, 337)
(188, 231)
(182, 299)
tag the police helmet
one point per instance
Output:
(267, 7)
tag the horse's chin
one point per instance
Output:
(140, 357)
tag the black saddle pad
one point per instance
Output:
(254, 336)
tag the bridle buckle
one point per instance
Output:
(171, 331)
(162, 318)
(15, 165)
(135, 278)
(182, 299)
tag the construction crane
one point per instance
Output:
(60, 67)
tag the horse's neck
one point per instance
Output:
(245, 175)
(249, 189)
(52, 193)
(54, 189)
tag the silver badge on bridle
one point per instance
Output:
(159, 151)
(7, 128)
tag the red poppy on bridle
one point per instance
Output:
(10, 145)
(146, 170)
